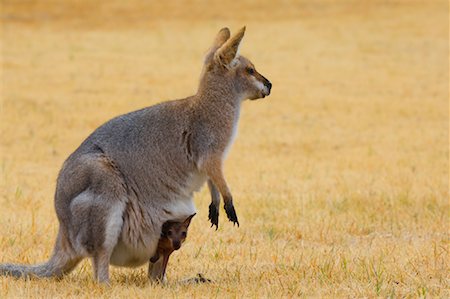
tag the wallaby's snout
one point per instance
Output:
(261, 85)
(267, 85)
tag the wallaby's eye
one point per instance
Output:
(183, 234)
(250, 70)
(169, 233)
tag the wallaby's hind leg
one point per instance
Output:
(98, 221)
(213, 215)
(100, 263)
(112, 229)
(97, 213)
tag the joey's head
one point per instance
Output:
(228, 71)
(176, 232)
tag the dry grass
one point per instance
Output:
(340, 177)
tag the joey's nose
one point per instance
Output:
(176, 245)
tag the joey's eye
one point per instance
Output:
(250, 70)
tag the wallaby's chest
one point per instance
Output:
(232, 132)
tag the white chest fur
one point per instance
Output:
(233, 133)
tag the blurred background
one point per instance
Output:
(340, 177)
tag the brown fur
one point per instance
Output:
(173, 234)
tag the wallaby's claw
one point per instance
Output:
(231, 214)
(213, 215)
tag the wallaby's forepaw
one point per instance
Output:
(231, 213)
(213, 215)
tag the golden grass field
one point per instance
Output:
(340, 177)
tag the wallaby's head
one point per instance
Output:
(176, 232)
(227, 70)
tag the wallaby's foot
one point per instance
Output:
(213, 215)
(100, 264)
(106, 283)
(231, 213)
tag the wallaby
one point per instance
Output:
(173, 234)
(139, 170)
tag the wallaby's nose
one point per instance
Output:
(269, 85)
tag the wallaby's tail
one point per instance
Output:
(61, 262)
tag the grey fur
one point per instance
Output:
(140, 170)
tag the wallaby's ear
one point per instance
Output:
(188, 220)
(228, 51)
(221, 38)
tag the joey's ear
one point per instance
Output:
(221, 38)
(228, 51)
(188, 220)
